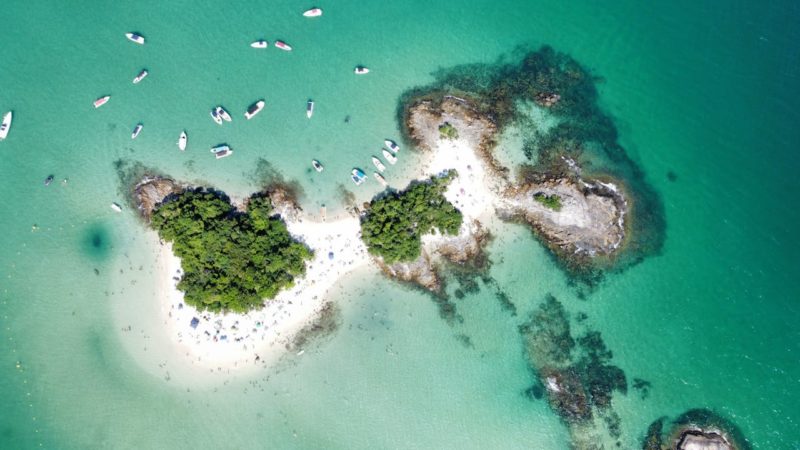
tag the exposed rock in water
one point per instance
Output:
(151, 191)
(589, 221)
(323, 325)
(696, 429)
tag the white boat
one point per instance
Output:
(283, 46)
(115, 206)
(380, 179)
(391, 145)
(101, 101)
(223, 154)
(141, 76)
(310, 108)
(5, 125)
(317, 165)
(313, 12)
(136, 130)
(378, 164)
(261, 43)
(182, 140)
(358, 177)
(360, 70)
(135, 37)
(254, 109)
(215, 115)
(223, 114)
(220, 148)
(389, 157)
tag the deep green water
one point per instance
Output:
(705, 90)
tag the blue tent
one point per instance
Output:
(195, 322)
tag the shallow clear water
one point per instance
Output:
(707, 92)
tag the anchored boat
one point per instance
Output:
(135, 37)
(182, 140)
(380, 179)
(215, 116)
(389, 157)
(254, 109)
(283, 46)
(313, 12)
(317, 165)
(5, 125)
(310, 108)
(136, 130)
(102, 101)
(141, 76)
(378, 164)
(115, 206)
(259, 44)
(223, 114)
(358, 177)
(391, 145)
(361, 70)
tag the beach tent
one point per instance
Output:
(195, 322)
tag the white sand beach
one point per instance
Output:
(257, 339)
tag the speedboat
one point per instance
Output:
(378, 164)
(283, 46)
(380, 179)
(115, 206)
(223, 154)
(391, 145)
(216, 117)
(135, 37)
(182, 140)
(136, 130)
(6, 125)
(313, 12)
(101, 101)
(310, 108)
(389, 157)
(261, 43)
(223, 114)
(141, 76)
(48, 180)
(254, 109)
(220, 148)
(361, 70)
(358, 177)
(317, 166)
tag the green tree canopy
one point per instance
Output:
(394, 225)
(231, 260)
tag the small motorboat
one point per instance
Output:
(141, 76)
(361, 70)
(102, 101)
(49, 180)
(378, 164)
(223, 154)
(220, 148)
(283, 46)
(5, 125)
(254, 109)
(215, 115)
(391, 145)
(317, 166)
(313, 12)
(310, 108)
(389, 157)
(135, 37)
(182, 140)
(136, 130)
(358, 177)
(261, 43)
(115, 206)
(223, 114)
(380, 179)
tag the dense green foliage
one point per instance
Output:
(448, 131)
(394, 225)
(549, 201)
(231, 260)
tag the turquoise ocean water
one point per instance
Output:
(707, 91)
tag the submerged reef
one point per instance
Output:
(696, 429)
(574, 374)
(609, 216)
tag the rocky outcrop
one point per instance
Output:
(696, 439)
(151, 191)
(695, 429)
(590, 220)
